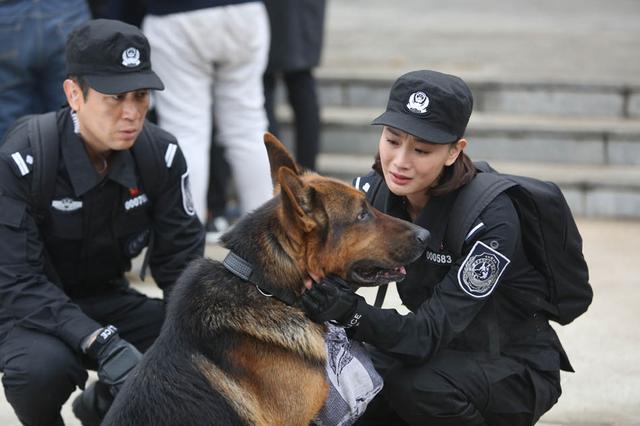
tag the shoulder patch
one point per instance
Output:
(356, 182)
(21, 163)
(481, 270)
(170, 154)
(187, 199)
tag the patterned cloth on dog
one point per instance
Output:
(353, 381)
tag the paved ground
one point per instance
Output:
(603, 344)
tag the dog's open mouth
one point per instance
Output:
(371, 274)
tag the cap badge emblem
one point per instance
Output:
(131, 57)
(418, 102)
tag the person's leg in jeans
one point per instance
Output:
(60, 18)
(303, 98)
(17, 96)
(32, 67)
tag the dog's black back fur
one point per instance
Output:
(179, 394)
(166, 390)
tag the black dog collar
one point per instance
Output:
(244, 270)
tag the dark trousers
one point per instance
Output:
(303, 98)
(460, 388)
(41, 371)
(219, 177)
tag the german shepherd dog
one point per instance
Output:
(228, 354)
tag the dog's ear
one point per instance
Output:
(297, 201)
(278, 157)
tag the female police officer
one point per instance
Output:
(63, 290)
(466, 354)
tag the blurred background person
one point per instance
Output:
(129, 11)
(212, 54)
(32, 69)
(297, 29)
(221, 202)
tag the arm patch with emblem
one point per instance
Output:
(481, 270)
(187, 199)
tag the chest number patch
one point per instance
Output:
(438, 258)
(481, 270)
(135, 202)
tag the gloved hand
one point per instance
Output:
(116, 357)
(333, 300)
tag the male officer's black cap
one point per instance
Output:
(112, 56)
(430, 105)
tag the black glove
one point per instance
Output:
(116, 357)
(333, 300)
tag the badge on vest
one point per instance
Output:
(66, 205)
(481, 270)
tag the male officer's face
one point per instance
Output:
(109, 122)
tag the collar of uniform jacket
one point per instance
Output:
(81, 172)
(434, 216)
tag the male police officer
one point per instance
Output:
(64, 298)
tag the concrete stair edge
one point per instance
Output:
(384, 78)
(590, 190)
(569, 175)
(486, 121)
(508, 137)
(561, 98)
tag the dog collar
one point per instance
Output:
(244, 270)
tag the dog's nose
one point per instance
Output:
(422, 235)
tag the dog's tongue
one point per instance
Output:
(402, 270)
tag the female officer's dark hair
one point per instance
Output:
(457, 175)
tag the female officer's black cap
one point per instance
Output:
(112, 56)
(430, 105)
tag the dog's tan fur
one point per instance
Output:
(230, 355)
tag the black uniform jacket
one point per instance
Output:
(297, 30)
(94, 227)
(464, 303)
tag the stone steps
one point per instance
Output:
(366, 88)
(582, 140)
(594, 191)
(595, 160)
(583, 135)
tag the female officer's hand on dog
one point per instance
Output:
(333, 300)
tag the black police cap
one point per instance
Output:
(112, 56)
(430, 105)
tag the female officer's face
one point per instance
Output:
(109, 122)
(411, 166)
